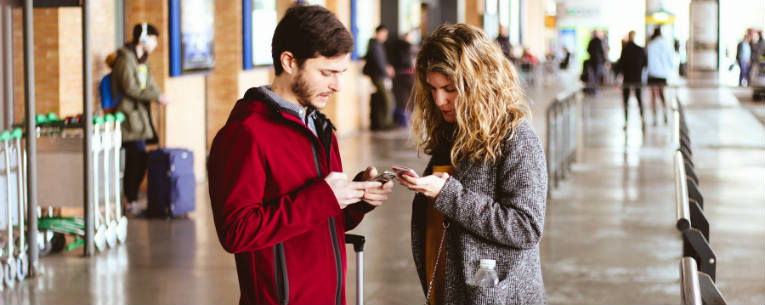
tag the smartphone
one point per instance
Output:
(400, 170)
(384, 177)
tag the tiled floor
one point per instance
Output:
(609, 232)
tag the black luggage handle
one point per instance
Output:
(356, 240)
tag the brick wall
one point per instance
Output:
(70, 61)
(46, 61)
(70, 53)
(223, 82)
(58, 56)
(474, 13)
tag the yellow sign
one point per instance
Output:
(550, 22)
(660, 18)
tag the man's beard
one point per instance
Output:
(300, 89)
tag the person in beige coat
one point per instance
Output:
(132, 80)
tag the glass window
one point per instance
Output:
(364, 27)
(409, 12)
(264, 22)
(197, 34)
(319, 2)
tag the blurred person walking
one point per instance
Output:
(744, 58)
(596, 61)
(660, 68)
(630, 65)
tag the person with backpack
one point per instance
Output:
(132, 80)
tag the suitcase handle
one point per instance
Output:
(356, 240)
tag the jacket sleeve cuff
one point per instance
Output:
(323, 203)
(449, 194)
(362, 207)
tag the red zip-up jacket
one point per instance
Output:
(272, 208)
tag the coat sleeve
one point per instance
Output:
(619, 65)
(131, 87)
(515, 217)
(379, 59)
(354, 213)
(244, 220)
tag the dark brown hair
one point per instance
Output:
(308, 31)
(138, 28)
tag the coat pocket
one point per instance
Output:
(499, 294)
(135, 123)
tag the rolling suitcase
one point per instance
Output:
(172, 190)
(358, 247)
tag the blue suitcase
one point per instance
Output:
(172, 187)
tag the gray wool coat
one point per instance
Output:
(496, 211)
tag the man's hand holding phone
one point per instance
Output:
(348, 192)
(377, 195)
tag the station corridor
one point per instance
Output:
(609, 237)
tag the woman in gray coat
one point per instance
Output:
(483, 192)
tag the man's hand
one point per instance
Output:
(377, 195)
(430, 186)
(163, 99)
(348, 192)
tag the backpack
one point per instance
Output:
(109, 100)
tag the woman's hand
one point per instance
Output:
(430, 186)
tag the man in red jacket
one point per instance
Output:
(280, 201)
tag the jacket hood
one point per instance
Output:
(257, 97)
(127, 50)
(262, 94)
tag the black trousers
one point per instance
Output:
(135, 167)
(402, 89)
(626, 98)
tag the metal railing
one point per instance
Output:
(698, 265)
(681, 195)
(695, 243)
(562, 135)
(696, 287)
(689, 281)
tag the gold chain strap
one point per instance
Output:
(435, 267)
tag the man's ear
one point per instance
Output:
(288, 61)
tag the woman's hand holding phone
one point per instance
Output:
(400, 170)
(429, 186)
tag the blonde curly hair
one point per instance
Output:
(489, 102)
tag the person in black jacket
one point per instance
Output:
(631, 64)
(377, 68)
(597, 54)
(504, 43)
(402, 52)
